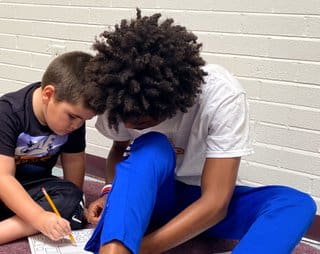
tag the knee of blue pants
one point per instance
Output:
(308, 206)
(151, 155)
(284, 213)
(300, 202)
(149, 160)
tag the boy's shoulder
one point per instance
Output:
(220, 79)
(220, 88)
(16, 100)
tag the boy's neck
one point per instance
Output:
(37, 106)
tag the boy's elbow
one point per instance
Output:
(217, 211)
(221, 212)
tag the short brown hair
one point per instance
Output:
(67, 74)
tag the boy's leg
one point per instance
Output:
(278, 218)
(65, 195)
(133, 196)
(14, 228)
(68, 198)
(270, 219)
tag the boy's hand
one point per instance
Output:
(94, 210)
(53, 226)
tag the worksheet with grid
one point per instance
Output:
(41, 244)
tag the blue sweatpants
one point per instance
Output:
(145, 195)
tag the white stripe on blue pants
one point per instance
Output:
(269, 219)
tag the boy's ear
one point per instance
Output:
(47, 93)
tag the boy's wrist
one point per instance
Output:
(105, 189)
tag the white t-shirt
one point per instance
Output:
(217, 126)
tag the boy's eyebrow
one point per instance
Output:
(77, 116)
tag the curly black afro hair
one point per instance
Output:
(147, 68)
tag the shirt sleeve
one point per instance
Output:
(228, 118)
(9, 125)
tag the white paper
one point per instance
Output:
(41, 244)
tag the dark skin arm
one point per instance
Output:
(218, 181)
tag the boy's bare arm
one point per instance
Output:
(13, 195)
(218, 181)
(73, 165)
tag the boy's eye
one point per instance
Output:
(71, 116)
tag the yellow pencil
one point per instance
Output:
(54, 208)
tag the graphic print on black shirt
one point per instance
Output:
(33, 149)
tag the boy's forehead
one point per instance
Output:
(78, 110)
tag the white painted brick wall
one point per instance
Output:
(271, 46)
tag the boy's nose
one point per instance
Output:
(76, 124)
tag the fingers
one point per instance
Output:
(93, 213)
(94, 220)
(56, 227)
(63, 226)
(57, 232)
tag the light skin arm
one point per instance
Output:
(217, 184)
(73, 165)
(30, 217)
(93, 211)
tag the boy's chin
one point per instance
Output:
(62, 133)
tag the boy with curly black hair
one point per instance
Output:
(39, 123)
(160, 93)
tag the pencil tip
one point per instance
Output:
(73, 240)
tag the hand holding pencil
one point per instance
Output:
(56, 227)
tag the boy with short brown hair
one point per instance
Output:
(39, 123)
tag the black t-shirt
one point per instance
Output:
(32, 144)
